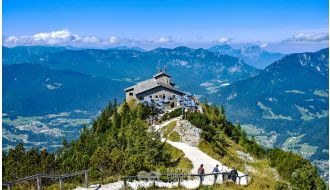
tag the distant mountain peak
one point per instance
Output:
(182, 48)
(126, 47)
(254, 48)
(314, 61)
(222, 46)
(253, 55)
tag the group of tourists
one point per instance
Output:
(232, 175)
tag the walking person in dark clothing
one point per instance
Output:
(233, 175)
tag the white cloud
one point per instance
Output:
(89, 39)
(224, 40)
(164, 40)
(54, 38)
(11, 39)
(263, 45)
(309, 37)
(62, 37)
(113, 40)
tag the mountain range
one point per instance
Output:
(32, 89)
(252, 55)
(130, 65)
(284, 105)
(51, 92)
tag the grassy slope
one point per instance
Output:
(168, 128)
(263, 176)
(174, 136)
(176, 154)
(179, 158)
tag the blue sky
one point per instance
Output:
(278, 25)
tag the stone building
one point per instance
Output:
(156, 88)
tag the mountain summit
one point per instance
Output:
(253, 55)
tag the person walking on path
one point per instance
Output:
(233, 174)
(216, 171)
(201, 171)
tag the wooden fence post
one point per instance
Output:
(86, 179)
(179, 182)
(125, 183)
(61, 184)
(10, 186)
(38, 182)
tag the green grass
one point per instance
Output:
(263, 177)
(178, 158)
(68, 184)
(230, 160)
(174, 136)
(132, 103)
(54, 186)
(168, 128)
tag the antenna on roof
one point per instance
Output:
(158, 67)
(165, 69)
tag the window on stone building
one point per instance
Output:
(131, 94)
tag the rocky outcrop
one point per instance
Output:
(189, 133)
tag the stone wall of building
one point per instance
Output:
(158, 93)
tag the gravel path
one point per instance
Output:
(198, 157)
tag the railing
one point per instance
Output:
(179, 177)
(39, 177)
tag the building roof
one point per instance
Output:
(161, 73)
(148, 85)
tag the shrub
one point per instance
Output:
(172, 114)
(174, 136)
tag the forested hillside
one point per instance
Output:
(120, 143)
(286, 105)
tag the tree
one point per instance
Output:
(100, 160)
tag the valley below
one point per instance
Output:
(47, 131)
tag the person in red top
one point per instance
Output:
(201, 171)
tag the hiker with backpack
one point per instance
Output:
(233, 175)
